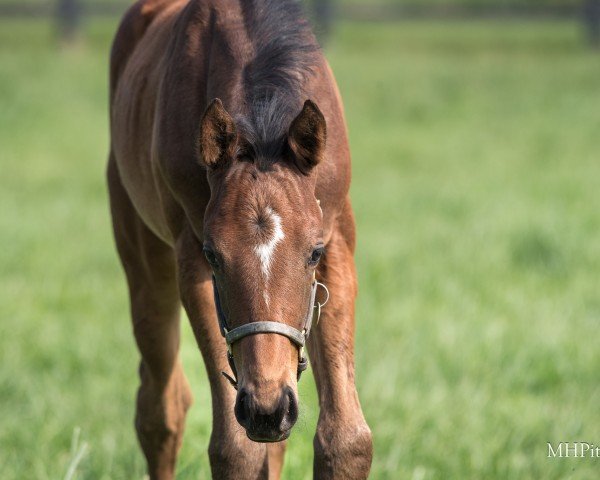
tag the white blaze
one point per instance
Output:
(265, 251)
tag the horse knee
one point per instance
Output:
(161, 408)
(152, 431)
(229, 457)
(343, 452)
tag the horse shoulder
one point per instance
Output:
(134, 80)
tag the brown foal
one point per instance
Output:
(230, 164)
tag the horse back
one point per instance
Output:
(133, 25)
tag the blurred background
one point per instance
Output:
(475, 132)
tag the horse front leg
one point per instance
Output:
(164, 395)
(342, 444)
(232, 455)
(276, 456)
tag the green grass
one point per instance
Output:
(476, 172)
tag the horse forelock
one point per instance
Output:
(274, 79)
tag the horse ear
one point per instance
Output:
(217, 139)
(307, 136)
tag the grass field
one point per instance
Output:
(476, 187)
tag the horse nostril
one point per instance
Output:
(242, 408)
(289, 407)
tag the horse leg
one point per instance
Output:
(276, 454)
(232, 455)
(164, 394)
(342, 444)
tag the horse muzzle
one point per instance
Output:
(264, 422)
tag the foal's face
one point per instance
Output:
(263, 239)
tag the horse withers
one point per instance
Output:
(228, 175)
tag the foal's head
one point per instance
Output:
(263, 239)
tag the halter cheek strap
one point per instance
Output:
(298, 337)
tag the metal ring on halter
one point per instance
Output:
(319, 284)
(320, 305)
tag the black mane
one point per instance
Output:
(285, 53)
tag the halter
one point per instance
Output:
(297, 337)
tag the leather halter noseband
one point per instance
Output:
(298, 337)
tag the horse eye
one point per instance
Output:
(316, 256)
(211, 257)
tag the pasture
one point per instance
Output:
(476, 152)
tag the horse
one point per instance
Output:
(228, 178)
